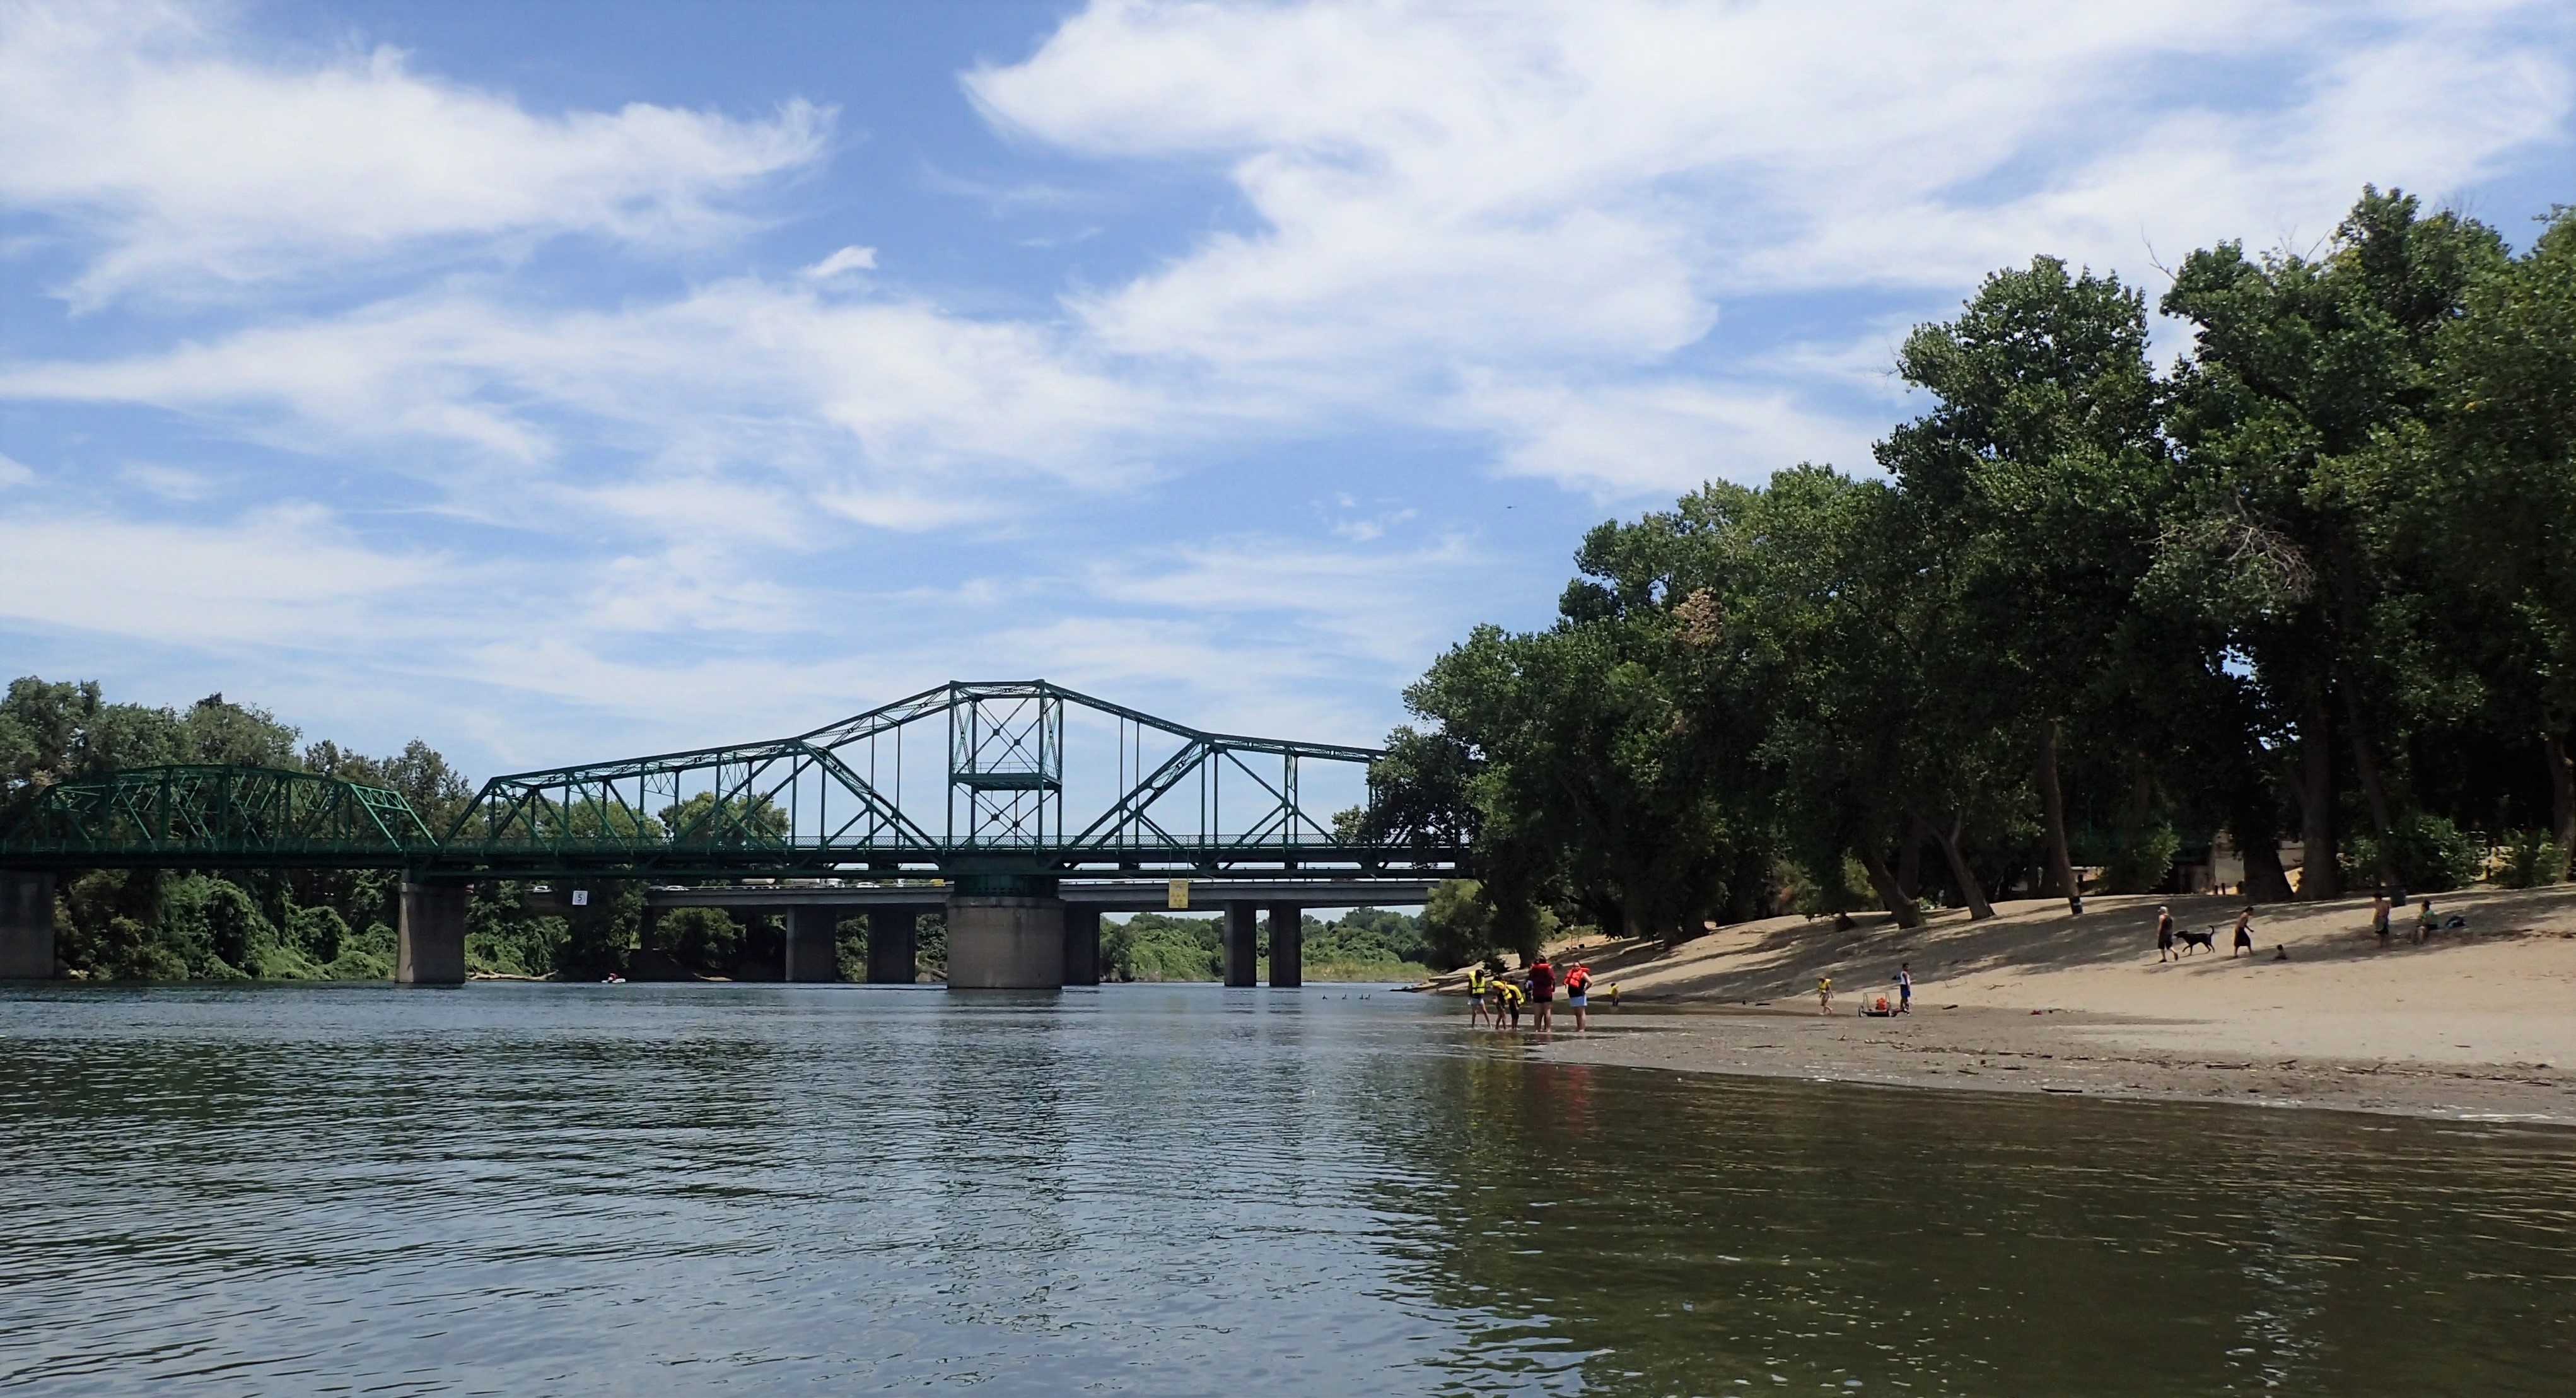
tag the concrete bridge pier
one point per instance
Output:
(26, 927)
(1242, 944)
(1081, 944)
(430, 948)
(1005, 943)
(813, 943)
(894, 947)
(1287, 946)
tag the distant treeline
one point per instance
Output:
(299, 924)
(2315, 582)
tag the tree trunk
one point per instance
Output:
(2052, 812)
(1909, 860)
(2316, 802)
(2265, 880)
(2562, 792)
(1883, 879)
(1978, 908)
(2374, 792)
(2142, 801)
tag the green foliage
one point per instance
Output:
(2531, 859)
(1458, 924)
(1160, 947)
(704, 940)
(2325, 557)
(1848, 892)
(2428, 853)
(2142, 866)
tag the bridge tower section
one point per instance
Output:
(1006, 926)
(26, 926)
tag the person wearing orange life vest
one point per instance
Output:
(1578, 989)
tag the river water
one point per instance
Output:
(519, 1189)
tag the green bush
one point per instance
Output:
(2142, 867)
(1816, 897)
(316, 933)
(365, 956)
(2531, 860)
(2430, 855)
(705, 940)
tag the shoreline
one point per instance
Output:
(2472, 1026)
(2069, 1053)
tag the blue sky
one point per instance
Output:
(556, 382)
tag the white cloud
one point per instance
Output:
(849, 259)
(287, 576)
(888, 412)
(195, 169)
(13, 472)
(1559, 196)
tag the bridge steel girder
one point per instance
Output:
(202, 815)
(831, 802)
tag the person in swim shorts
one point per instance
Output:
(1905, 988)
(2164, 934)
(1824, 995)
(1578, 989)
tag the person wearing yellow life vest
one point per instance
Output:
(1513, 995)
(1476, 996)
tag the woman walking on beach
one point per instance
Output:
(2244, 933)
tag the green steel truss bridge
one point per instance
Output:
(997, 788)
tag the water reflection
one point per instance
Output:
(1185, 1190)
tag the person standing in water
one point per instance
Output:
(1578, 989)
(1475, 995)
(1542, 991)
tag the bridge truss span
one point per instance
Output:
(992, 783)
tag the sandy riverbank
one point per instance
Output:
(2481, 1025)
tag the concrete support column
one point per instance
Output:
(893, 950)
(1004, 943)
(1287, 946)
(1081, 944)
(1242, 941)
(813, 943)
(26, 927)
(431, 941)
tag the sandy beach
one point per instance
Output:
(2474, 1025)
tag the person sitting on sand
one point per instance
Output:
(2244, 933)
(2425, 923)
(1824, 995)
(2164, 934)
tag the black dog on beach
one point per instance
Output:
(2205, 940)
